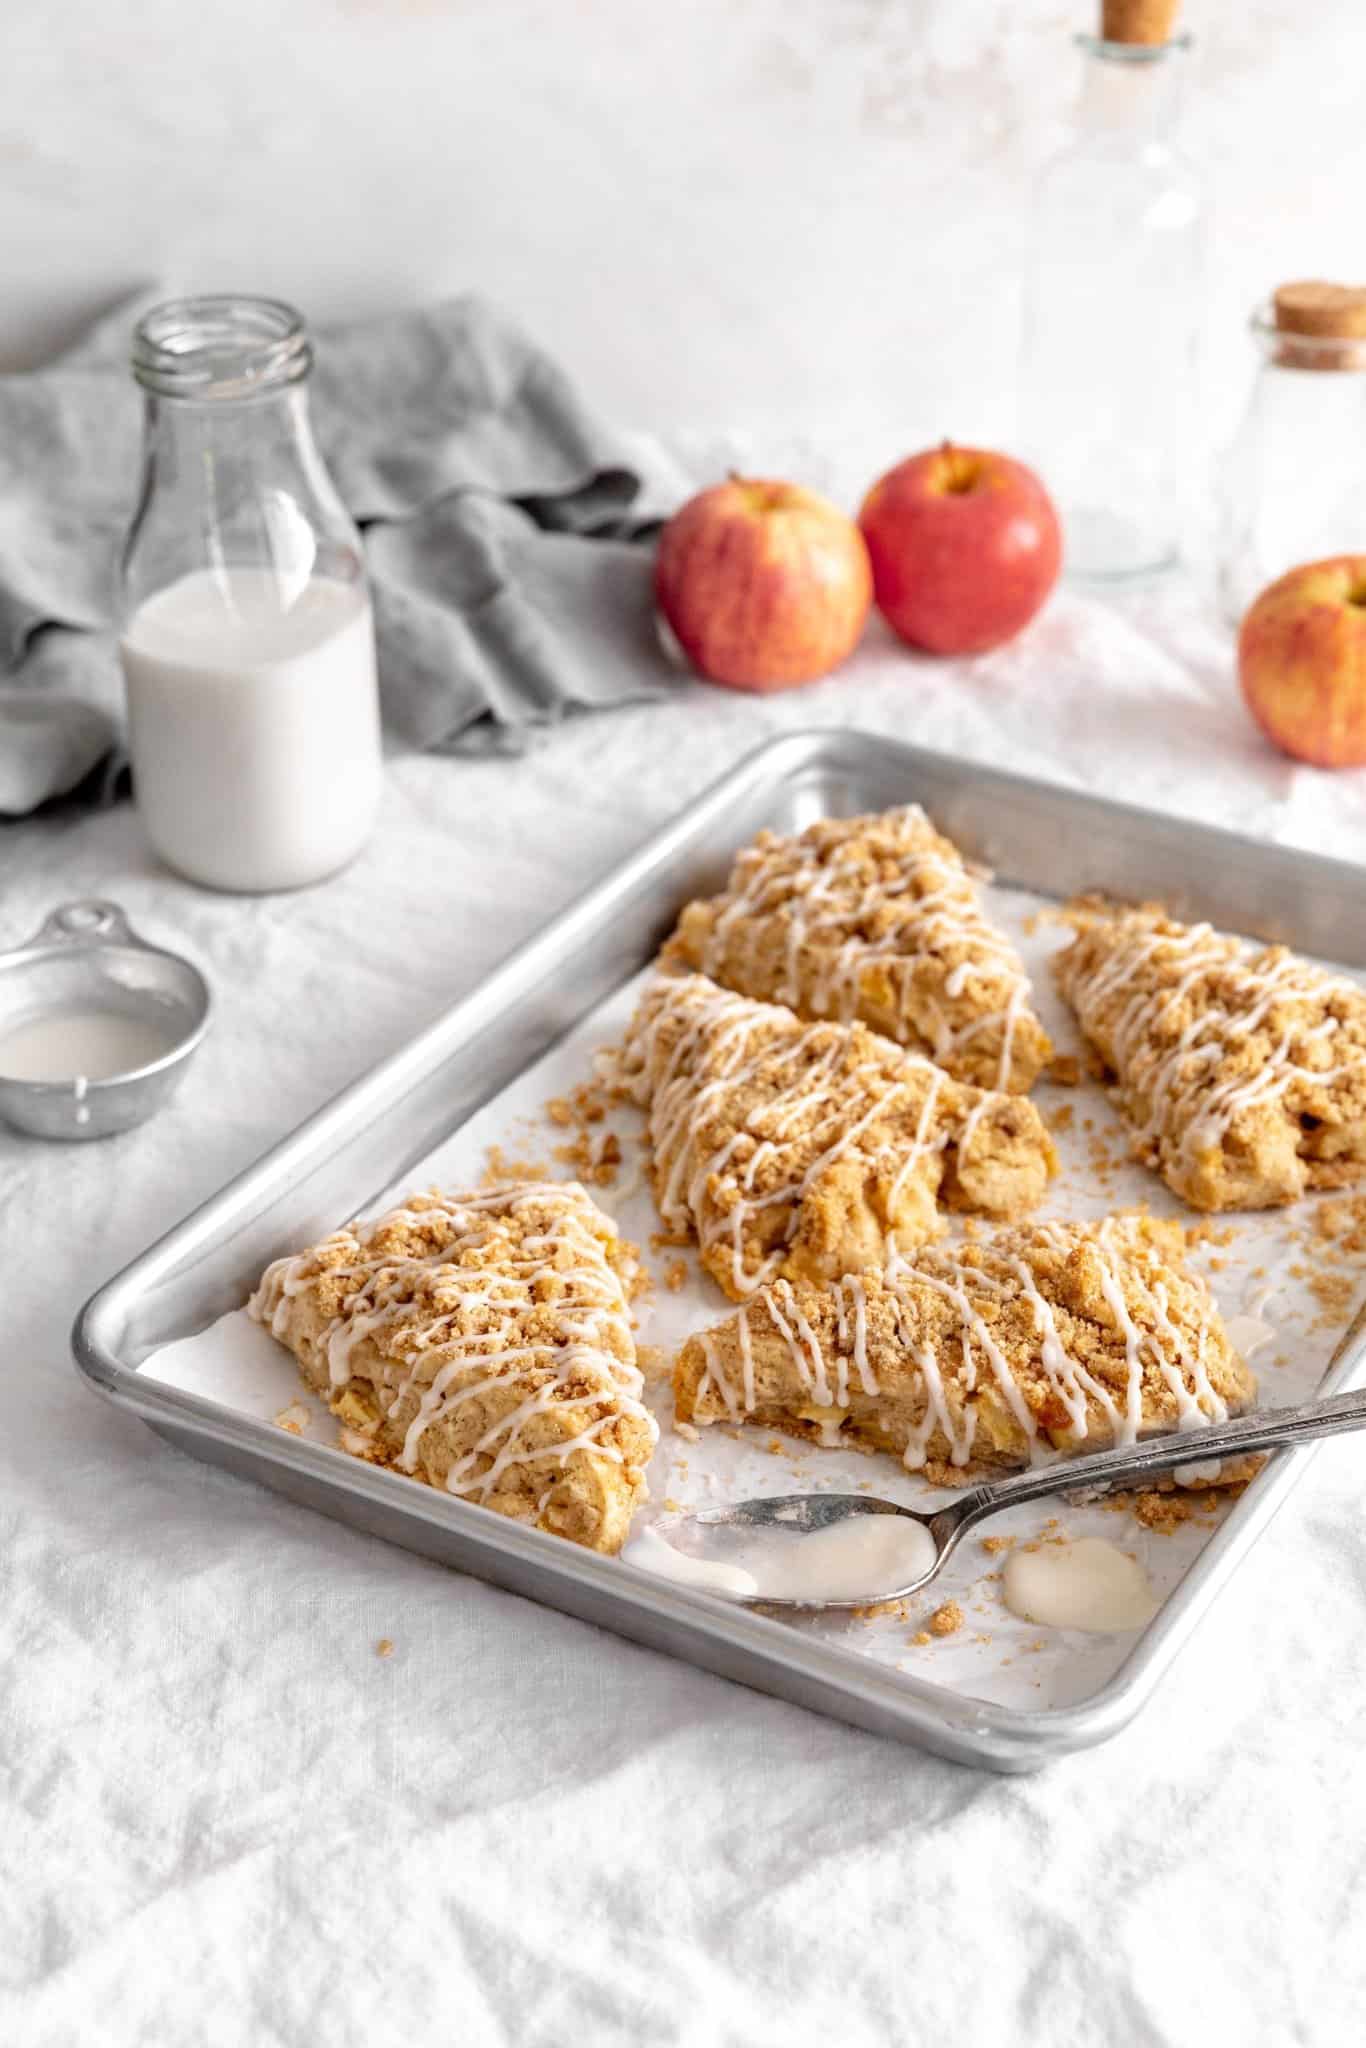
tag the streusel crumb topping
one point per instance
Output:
(480, 1341)
(1047, 1338)
(796, 1149)
(877, 919)
(1240, 1070)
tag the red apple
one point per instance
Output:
(965, 547)
(1302, 662)
(763, 584)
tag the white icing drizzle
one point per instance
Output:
(730, 1038)
(746, 1362)
(937, 1415)
(1068, 1377)
(1129, 1276)
(1189, 1107)
(714, 1376)
(852, 1286)
(921, 1143)
(827, 898)
(418, 1299)
(806, 1351)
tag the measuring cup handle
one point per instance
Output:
(79, 922)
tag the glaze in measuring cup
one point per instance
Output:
(86, 956)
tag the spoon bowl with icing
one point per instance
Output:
(813, 1550)
(96, 1025)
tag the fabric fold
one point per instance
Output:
(501, 522)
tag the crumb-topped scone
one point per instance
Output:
(1046, 1338)
(875, 919)
(1241, 1070)
(480, 1342)
(800, 1150)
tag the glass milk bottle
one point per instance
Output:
(1292, 488)
(246, 639)
(1112, 303)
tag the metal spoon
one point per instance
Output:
(806, 1514)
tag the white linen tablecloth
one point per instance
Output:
(224, 1819)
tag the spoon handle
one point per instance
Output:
(1267, 1429)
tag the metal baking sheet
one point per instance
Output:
(528, 1033)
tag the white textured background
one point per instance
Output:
(798, 212)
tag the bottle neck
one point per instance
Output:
(233, 459)
(236, 484)
(1131, 91)
(273, 425)
(226, 426)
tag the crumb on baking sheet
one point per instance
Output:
(676, 1275)
(500, 1166)
(637, 1279)
(1064, 1069)
(1334, 1292)
(946, 1620)
(921, 1637)
(1208, 1232)
(384, 1647)
(994, 1545)
(653, 1360)
(1340, 1221)
(593, 1156)
(585, 1104)
(1164, 1513)
(880, 1607)
(1062, 1118)
(294, 1419)
(669, 1240)
(687, 1432)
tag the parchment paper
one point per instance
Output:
(1261, 1269)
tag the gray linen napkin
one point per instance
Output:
(500, 529)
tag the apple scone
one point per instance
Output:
(800, 1150)
(480, 1342)
(1241, 1070)
(1046, 1338)
(874, 919)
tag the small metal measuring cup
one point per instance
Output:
(85, 956)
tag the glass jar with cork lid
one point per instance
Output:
(1111, 302)
(1293, 485)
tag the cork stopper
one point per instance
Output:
(1330, 318)
(1138, 21)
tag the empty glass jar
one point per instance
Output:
(1112, 297)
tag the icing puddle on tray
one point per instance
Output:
(1089, 1584)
